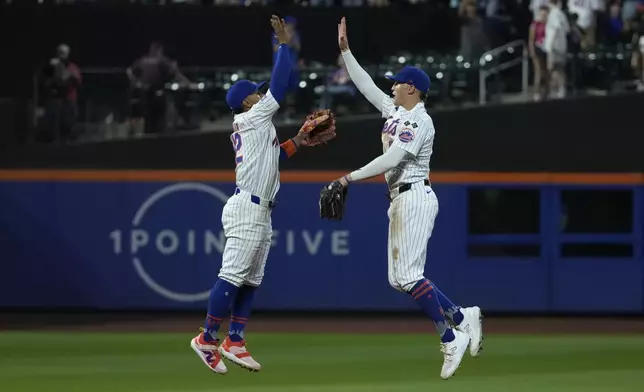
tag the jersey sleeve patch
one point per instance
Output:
(406, 135)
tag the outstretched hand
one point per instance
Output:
(279, 27)
(344, 181)
(343, 42)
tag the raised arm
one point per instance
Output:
(282, 67)
(281, 73)
(269, 104)
(363, 81)
(359, 76)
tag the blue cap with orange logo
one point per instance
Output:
(239, 91)
(414, 76)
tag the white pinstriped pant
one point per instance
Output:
(248, 231)
(411, 222)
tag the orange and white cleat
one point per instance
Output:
(236, 352)
(208, 352)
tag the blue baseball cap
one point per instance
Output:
(239, 91)
(414, 76)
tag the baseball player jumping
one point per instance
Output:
(246, 217)
(407, 138)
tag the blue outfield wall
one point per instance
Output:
(156, 245)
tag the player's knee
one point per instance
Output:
(393, 282)
(403, 284)
(252, 284)
(255, 281)
(407, 286)
(231, 278)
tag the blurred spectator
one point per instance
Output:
(638, 45)
(62, 78)
(629, 8)
(556, 47)
(148, 77)
(320, 3)
(586, 19)
(640, 69)
(499, 25)
(536, 41)
(339, 83)
(536, 5)
(615, 28)
(378, 3)
(575, 38)
(474, 40)
(575, 35)
(295, 46)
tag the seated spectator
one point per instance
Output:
(339, 83)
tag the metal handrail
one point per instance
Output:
(489, 55)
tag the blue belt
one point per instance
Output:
(257, 200)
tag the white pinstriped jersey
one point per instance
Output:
(413, 131)
(257, 149)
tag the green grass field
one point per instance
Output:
(127, 362)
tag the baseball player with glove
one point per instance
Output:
(246, 217)
(407, 138)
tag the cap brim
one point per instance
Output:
(395, 78)
(398, 79)
(260, 85)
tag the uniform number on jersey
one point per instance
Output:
(390, 127)
(236, 139)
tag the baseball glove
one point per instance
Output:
(332, 200)
(323, 131)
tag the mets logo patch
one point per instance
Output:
(406, 135)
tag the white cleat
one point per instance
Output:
(453, 353)
(236, 353)
(473, 326)
(208, 352)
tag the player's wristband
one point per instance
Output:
(289, 148)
